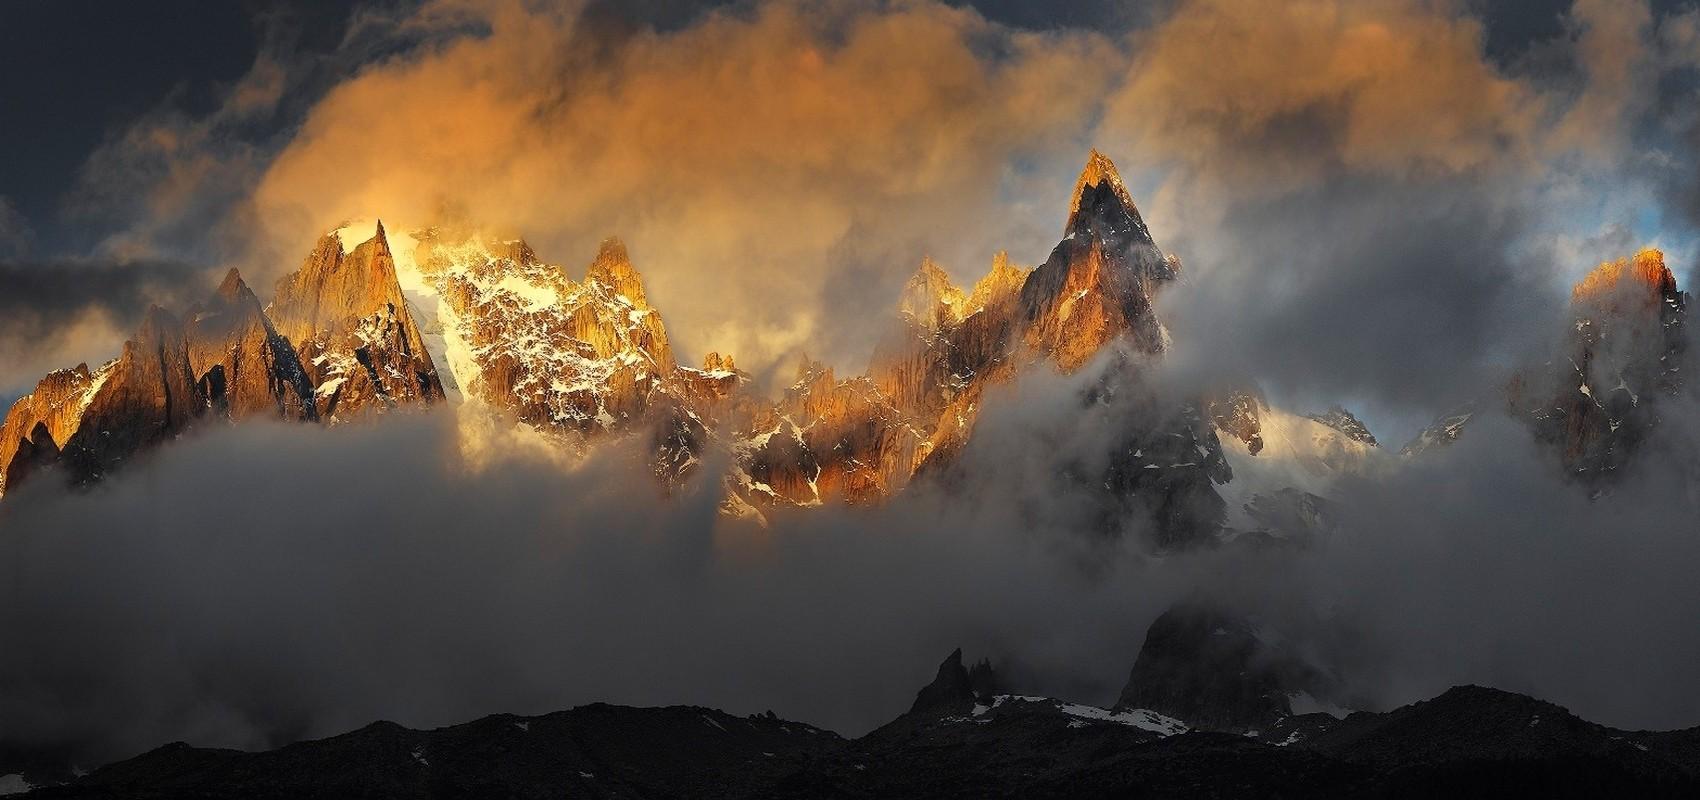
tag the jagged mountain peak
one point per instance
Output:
(1338, 418)
(233, 289)
(808, 369)
(373, 250)
(1002, 281)
(715, 362)
(612, 249)
(334, 287)
(1643, 275)
(613, 268)
(157, 323)
(1100, 192)
(930, 297)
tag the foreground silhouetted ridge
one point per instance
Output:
(1468, 741)
(1219, 721)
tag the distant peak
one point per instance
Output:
(930, 297)
(157, 323)
(1643, 274)
(329, 245)
(1099, 171)
(612, 251)
(715, 362)
(808, 368)
(1002, 281)
(613, 269)
(930, 269)
(951, 691)
(232, 286)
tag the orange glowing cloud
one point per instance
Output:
(740, 158)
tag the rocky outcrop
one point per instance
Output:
(575, 360)
(863, 447)
(1445, 430)
(353, 332)
(149, 394)
(1601, 399)
(56, 406)
(1615, 368)
(1099, 282)
(33, 454)
(1239, 413)
(1211, 668)
(242, 366)
(558, 355)
(952, 692)
(996, 287)
(1343, 421)
(930, 299)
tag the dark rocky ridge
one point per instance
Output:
(1470, 741)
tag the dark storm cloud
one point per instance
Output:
(54, 314)
(1397, 294)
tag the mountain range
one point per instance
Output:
(488, 327)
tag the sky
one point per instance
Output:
(1377, 203)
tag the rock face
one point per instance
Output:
(1443, 431)
(1239, 413)
(560, 356)
(1599, 399)
(149, 394)
(1342, 420)
(930, 299)
(228, 359)
(242, 366)
(957, 689)
(1212, 669)
(1627, 354)
(574, 359)
(351, 327)
(98, 420)
(45, 418)
(1099, 282)
(863, 438)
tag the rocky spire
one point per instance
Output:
(1002, 282)
(34, 454)
(951, 692)
(241, 364)
(146, 396)
(233, 289)
(1099, 192)
(1099, 281)
(1338, 418)
(332, 289)
(1627, 351)
(350, 325)
(930, 298)
(1643, 277)
(613, 269)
